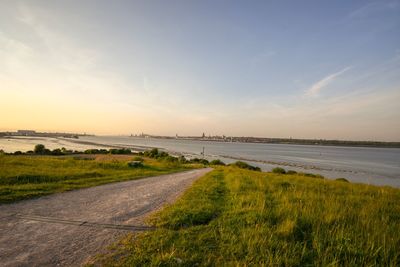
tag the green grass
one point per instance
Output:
(236, 217)
(23, 177)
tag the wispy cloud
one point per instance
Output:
(373, 8)
(315, 89)
(340, 116)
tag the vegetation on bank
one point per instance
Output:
(40, 149)
(279, 170)
(42, 171)
(246, 166)
(154, 153)
(237, 217)
(28, 176)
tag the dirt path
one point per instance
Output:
(66, 229)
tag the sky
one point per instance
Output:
(300, 69)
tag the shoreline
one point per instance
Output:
(284, 141)
(353, 174)
(253, 140)
(264, 162)
(141, 148)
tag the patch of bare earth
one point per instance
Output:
(66, 229)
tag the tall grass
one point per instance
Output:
(23, 177)
(236, 217)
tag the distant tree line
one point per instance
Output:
(40, 149)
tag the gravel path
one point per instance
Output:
(66, 229)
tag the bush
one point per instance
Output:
(319, 176)
(291, 172)
(183, 160)
(39, 149)
(279, 170)
(66, 151)
(114, 151)
(155, 154)
(120, 151)
(17, 153)
(57, 152)
(217, 162)
(194, 160)
(163, 154)
(151, 153)
(96, 151)
(135, 164)
(170, 159)
(244, 165)
(197, 160)
(342, 180)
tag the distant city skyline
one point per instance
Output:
(300, 69)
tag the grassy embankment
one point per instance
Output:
(239, 217)
(23, 177)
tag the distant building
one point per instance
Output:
(26, 132)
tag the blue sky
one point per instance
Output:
(306, 69)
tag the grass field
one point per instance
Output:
(23, 177)
(235, 217)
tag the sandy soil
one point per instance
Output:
(66, 229)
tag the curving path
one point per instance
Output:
(66, 229)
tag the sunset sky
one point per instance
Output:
(301, 69)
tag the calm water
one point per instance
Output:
(379, 166)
